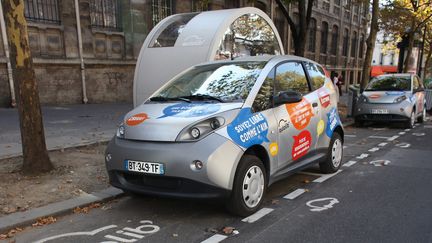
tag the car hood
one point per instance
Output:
(164, 121)
(383, 97)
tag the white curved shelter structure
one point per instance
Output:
(183, 40)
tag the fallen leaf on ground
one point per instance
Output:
(175, 235)
(306, 181)
(228, 230)
(86, 209)
(10, 234)
(44, 221)
(274, 201)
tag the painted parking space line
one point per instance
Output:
(379, 137)
(350, 135)
(407, 130)
(362, 156)
(382, 144)
(326, 177)
(349, 163)
(402, 133)
(392, 138)
(256, 216)
(295, 194)
(215, 238)
(374, 149)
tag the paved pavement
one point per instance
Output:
(65, 126)
(381, 194)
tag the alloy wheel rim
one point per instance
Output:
(253, 186)
(336, 153)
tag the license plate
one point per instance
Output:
(379, 111)
(144, 167)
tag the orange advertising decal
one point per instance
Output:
(374, 96)
(300, 113)
(136, 119)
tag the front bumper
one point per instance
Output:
(396, 112)
(219, 155)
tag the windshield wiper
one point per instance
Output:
(161, 98)
(202, 97)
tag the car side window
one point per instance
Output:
(264, 98)
(291, 76)
(316, 74)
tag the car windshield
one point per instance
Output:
(390, 83)
(220, 82)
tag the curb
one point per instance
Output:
(79, 145)
(22, 219)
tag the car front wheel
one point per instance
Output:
(249, 186)
(422, 118)
(334, 155)
(410, 123)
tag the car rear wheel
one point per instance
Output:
(249, 186)
(422, 118)
(334, 155)
(410, 123)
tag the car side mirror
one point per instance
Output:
(287, 97)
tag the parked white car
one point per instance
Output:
(229, 129)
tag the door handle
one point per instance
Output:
(315, 104)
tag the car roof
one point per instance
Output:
(264, 58)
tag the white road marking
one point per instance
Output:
(382, 144)
(407, 130)
(374, 149)
(349, 163)
(256, 216)
(315, 208)
(326, 177)
(362, 156)
(350, 135)
(215, 238)
(392, 138)
(380, 137)
(344, 147)
(419, 134)
(380, 162)
(402, 133)
(90, 233)
(294, 194)
(403, 145)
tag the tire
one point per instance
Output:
(250, 174)
(358, 122)
(422, 118)
(334, 155)
(410, 123)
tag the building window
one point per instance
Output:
(324, 37)
(354, 44)
(335, 36)
(362, 40)
(42, 11)
(345, 43)
(160, 10)
(381, 58)
(105, 14)
(337, 2)
(312, 35)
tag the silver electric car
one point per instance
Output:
(229, 129)
(392, 98)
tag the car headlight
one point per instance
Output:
(201, 129)
(363, 99)
(400, 99)
(120, 131)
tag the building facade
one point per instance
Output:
(95, 63)
(382, 54)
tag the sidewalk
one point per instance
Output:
(65, 126)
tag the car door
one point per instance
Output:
(419, 94)
(296, 137)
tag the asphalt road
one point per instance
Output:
(388, 200)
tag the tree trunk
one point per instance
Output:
(370, 42)
(410, 47)
(35, 155)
